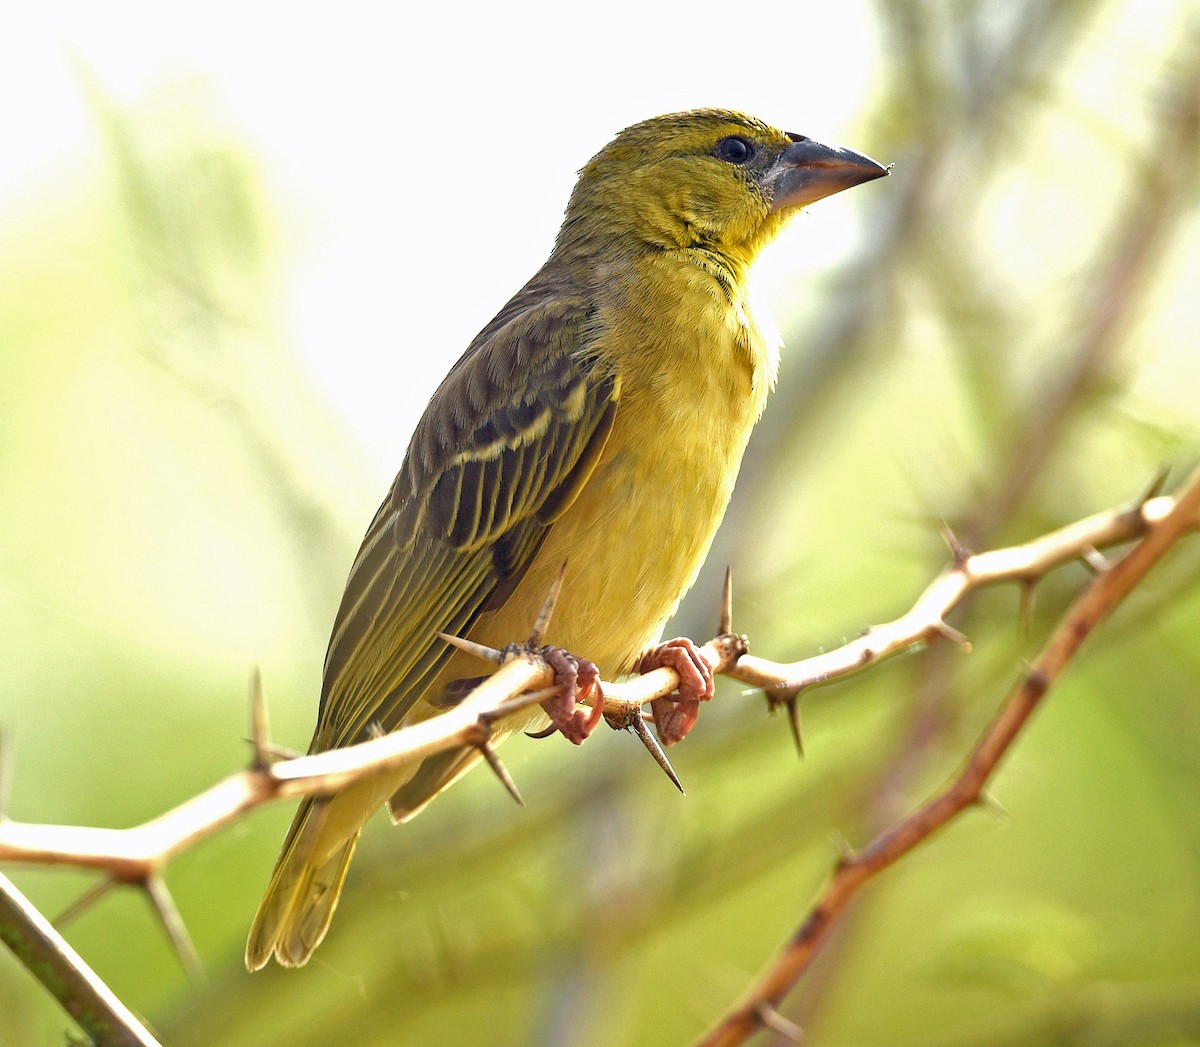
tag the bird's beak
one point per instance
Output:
(807, 171)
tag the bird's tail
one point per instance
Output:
(298, 905)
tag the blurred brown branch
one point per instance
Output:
(1112, 584)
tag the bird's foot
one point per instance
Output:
(676, 714)
(577, 679)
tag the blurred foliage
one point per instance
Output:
(1011, 347)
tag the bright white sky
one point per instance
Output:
(420, 155)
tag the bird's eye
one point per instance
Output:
(734, 150)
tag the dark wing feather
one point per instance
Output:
(506, 442)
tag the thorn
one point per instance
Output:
(651, 743)
(793, 708)
(1025, 611)
(501, 772)
(952, 634)
(282, 752)
(845, 853)
(959, 551)
(1095, 559)
(597, 696)
(546, 613)
(488, 654)
(260, 723)
(6, 764)
(726, 623)
(777, 1023)
(85, 901)
(988, 802)
(520, 701)
(1155, 487)
(168, 914)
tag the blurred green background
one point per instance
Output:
(227, 290)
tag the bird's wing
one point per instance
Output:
(507, 441)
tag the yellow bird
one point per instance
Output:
(599, 421)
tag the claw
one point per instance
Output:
(501, 772)
(674, 719)
(676, 715)
(547, 611)
(577, 679)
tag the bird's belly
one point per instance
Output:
(633, 542)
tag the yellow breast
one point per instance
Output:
(695, 371)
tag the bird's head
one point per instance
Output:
(709, 178)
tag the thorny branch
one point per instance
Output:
(138, 855)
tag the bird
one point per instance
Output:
(597, 422)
